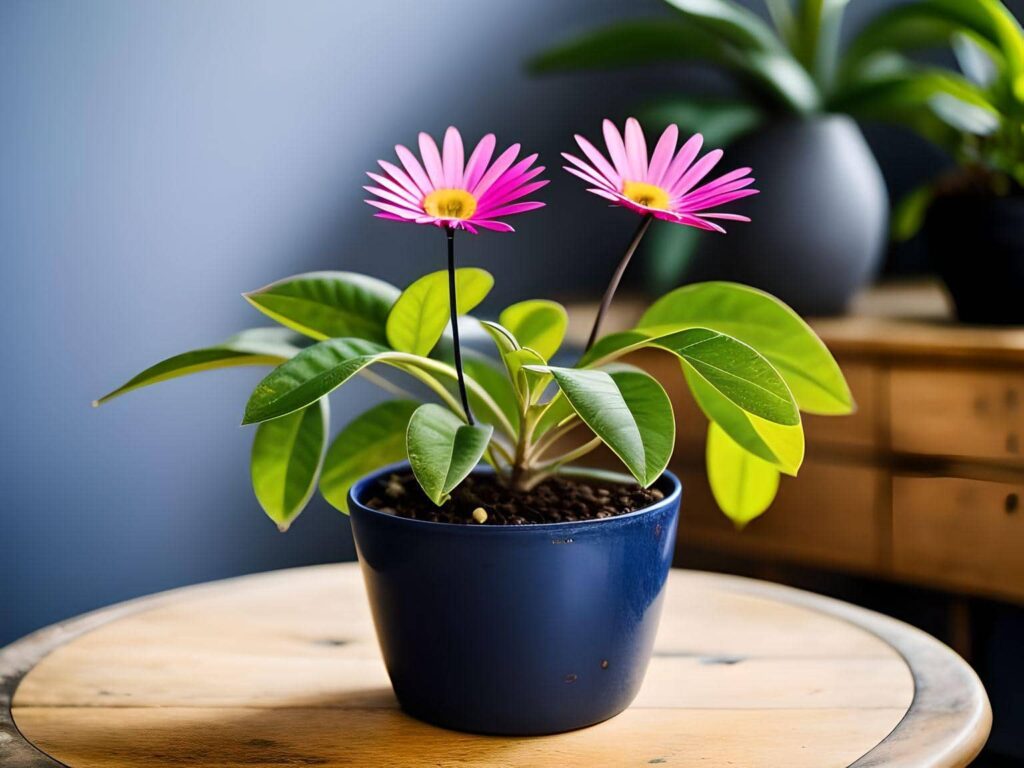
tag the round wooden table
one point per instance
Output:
(282, 669)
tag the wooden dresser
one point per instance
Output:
(924, 484)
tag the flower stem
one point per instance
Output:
(613, 286)
(454, 307)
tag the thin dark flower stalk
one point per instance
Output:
(613, 286)
(454, 307)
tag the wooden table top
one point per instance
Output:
(282, 669)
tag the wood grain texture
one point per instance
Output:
(282, 669)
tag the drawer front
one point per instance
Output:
(832, 514)
(960, 533)
(861, 429)
(969, 414)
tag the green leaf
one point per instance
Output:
(769, 326)
(257, 346)
(629, 411)
(631, 43)
(311, 374)
(515, 357)
(909, 213)
(372, 440)
(443, 449)
(817, 36)
(494, 381)
(743, 485)
(730, 22)
(325, 305)
(322, 367)
(537, 324)
(421, 313)
(286, 456)
(777, 444)
(736, 370)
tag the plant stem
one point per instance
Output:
(609, 294)
(454, 306)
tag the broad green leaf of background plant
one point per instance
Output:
(630, 43)
(909, 213)
(421, 313)
(730, 22)
(629, 411)
(537, 324)
(494, 381)
(327, 305)
(719, 121)
(770, 327)
(256, 346)
(743, 485)
(286, 456)
(816, 39)
(777, 444)
(443, 449)
(370, 441)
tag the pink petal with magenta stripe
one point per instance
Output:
(390, 197)
(600, 163)
(404, 213)
(682, 161)
(588, 178)
(616, 149)
(512, 196)
(662, 156)
(505, 159)
(592, 174)
(515, 208)
(395, 187)
(431, 160)
(478, 161)
(636, 150)
(414, 169)
(453, 158)
(697, 171)
(496, 226)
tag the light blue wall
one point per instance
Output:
(157, 158)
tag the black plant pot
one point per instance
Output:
(819, 226)
(976, 244)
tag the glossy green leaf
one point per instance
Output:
(909, 213)
(325, 305)
(372, 440)
(743, 485)
(443, 449)
(719, 121)
(777, 444)
(286, 456)
(629, 411)
(515, 356)
(422, 312)
(537, 324)
(816, 40)
(767, 325)
(631, 43)
(257, 346)
(319, 369)
(311, 374)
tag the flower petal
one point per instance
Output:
(509, 178)
(509, 210)
(505, 159)
(515, 194)
(682, 161)
(394, 209)
(591, 174)
(616, 149)
(600, 164)
(395, 187)
(725, 216)
(697, 171)
(636, 150)
(390, 197)
(717, 200)
(496, 226)
(605, 194)
(662, 156)
(431, 160)
(701, 194)
(510, 184)
(478, 161)
(415, 170)
(454, 157)
(588, 178)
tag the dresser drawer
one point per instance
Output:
(960, 533)
(860, 429)
(970, 414)
(829, 515)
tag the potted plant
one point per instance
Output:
(819, 235)
(514, 592)
(973, 216)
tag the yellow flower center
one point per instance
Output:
(450, 204)
(645, 194)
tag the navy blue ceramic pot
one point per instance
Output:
(516, 630)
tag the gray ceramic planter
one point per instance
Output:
(820, 223)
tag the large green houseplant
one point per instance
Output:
(820, 234)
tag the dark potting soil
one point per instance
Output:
(557, 500)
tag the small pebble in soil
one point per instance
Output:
(483, 500)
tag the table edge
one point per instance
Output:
(936, 684)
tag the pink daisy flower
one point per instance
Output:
(448, 191)
(666, 187)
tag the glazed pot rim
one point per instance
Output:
(671, 498)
